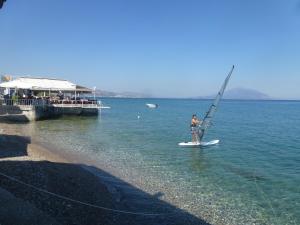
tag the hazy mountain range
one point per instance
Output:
(242, 94)
(235, 93)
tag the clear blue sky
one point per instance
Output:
(165, 48)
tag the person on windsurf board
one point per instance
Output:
(198, 128)
(195, 131)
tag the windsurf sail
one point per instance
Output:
(212, 109)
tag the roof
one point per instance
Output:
(43, 84)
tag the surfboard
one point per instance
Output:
(197, 144)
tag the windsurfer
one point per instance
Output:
(195, 123)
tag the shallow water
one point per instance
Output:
(252, 176)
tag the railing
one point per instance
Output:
(57, 103)
(83, 103)
(24, 102)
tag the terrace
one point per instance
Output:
(57, 96)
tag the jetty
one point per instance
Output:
(30, 99)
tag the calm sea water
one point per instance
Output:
(252, 176)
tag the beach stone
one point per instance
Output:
(18, 212)
(5, 195)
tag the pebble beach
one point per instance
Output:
(36, 166)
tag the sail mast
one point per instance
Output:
(212, 109)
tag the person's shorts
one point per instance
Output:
(194, 130)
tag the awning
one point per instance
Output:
(44, 84)
(15, 84)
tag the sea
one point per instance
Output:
(251, 177)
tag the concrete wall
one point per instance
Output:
(39, 112)
(89, 111)
(16, 113)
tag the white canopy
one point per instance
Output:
(41, 84)
(15, 84)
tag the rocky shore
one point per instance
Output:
(41, 168)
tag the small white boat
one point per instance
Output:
(152, 106)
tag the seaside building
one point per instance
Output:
(28, 98)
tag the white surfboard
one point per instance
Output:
(197, 144)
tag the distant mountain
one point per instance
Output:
(236, 93)
(242, 94)
(112, 94)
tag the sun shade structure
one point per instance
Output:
(44, 84)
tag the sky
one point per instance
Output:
(165, 48)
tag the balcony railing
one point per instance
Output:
(57, 103)
(76, 103)
(24, 102)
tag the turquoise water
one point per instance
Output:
(252, 176)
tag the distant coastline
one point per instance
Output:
(195, 98)
(232, 94)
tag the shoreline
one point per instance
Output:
(52, 170)
(34, 164)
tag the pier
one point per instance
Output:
(29, 99)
